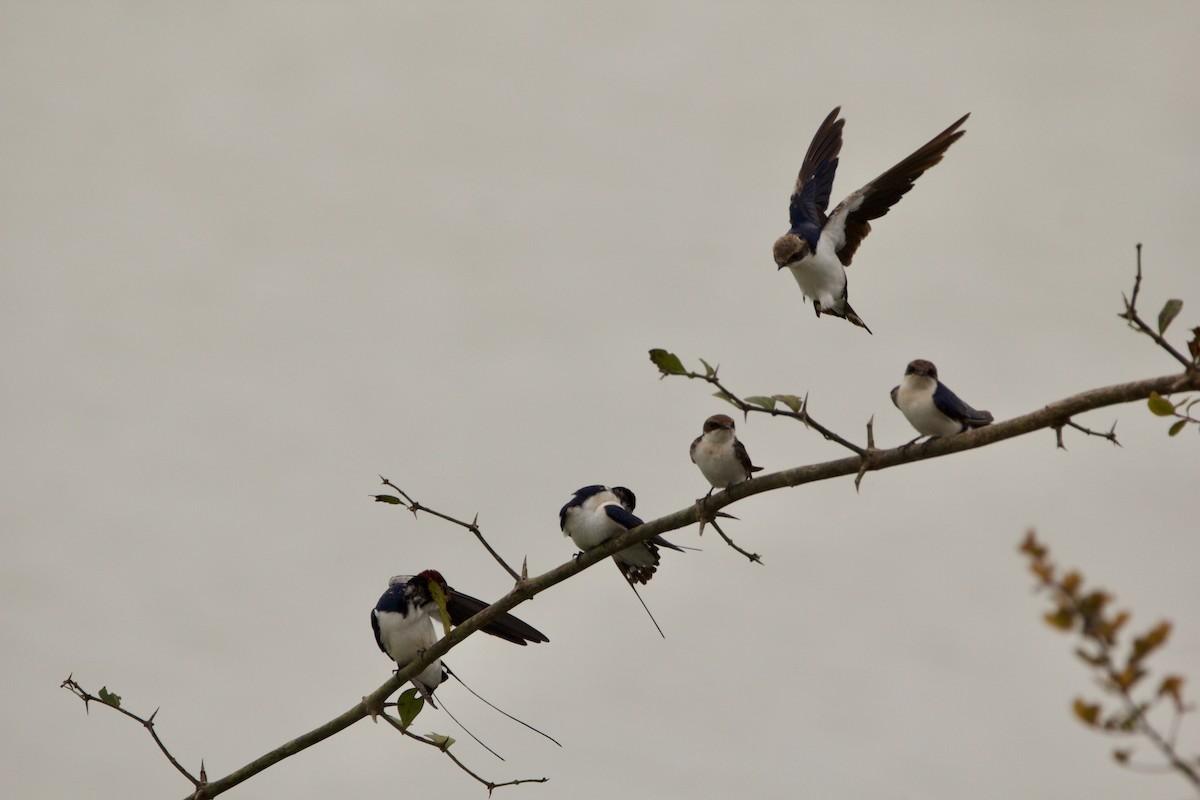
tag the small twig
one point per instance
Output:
(1110, 435)
(866, 459)
(802, 415)
(1130, 315)
(491, 785)
(472, 526)
(754, 557)
(73, 686)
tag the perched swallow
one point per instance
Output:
(722, 459)
(403, 621)
(931, 407)
(596, 514)
(818, 248)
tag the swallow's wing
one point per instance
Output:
(461, 607)
(810, 197)
(661, 542)
(739, 451)
(629, 522)
(621, 516)
(692, 449)
(375, 627)
(850, 222)
(953, 407)
(895, 392)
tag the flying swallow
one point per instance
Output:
(818, 248)
(931, 407)
(403, 621)
(722, 459)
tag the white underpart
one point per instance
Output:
(589, 525)
(405, 637)
(821, 275)
(915, 401)
(717, 462)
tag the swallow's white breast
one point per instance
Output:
(404, 637)
(915, 400)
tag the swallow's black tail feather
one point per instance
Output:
(502, 711)
(467, 732)
(850, 316)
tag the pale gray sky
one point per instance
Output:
(256, 254)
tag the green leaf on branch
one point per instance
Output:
(764, 402)
(789, 400)
(387, 498)
(108, 698)
(709, 369)
(667, 363)
(1177, 427)
(1160, 405)
(1168, 314)
(726, 398)
(408, 705)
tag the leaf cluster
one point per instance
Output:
(1119, 670)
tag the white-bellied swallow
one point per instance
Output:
(596, 514)
(818, 248)
(931, 407)
(403, 621)
(722, 459)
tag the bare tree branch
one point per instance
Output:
(491, 785)
(1111, 435)
(746, 406)
(472, 526)
(754, 557)
(1136, 322)
(1054, 414)
(148, 723)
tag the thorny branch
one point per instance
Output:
(114, 702)
(1111, 435)
(472, 526)
(491, 785)
(1135, 321)
(800, 413)
(1085, 611)
(1047, 417)
(754, 557)
(1052, 416)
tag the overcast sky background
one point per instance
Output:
(255, 255)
